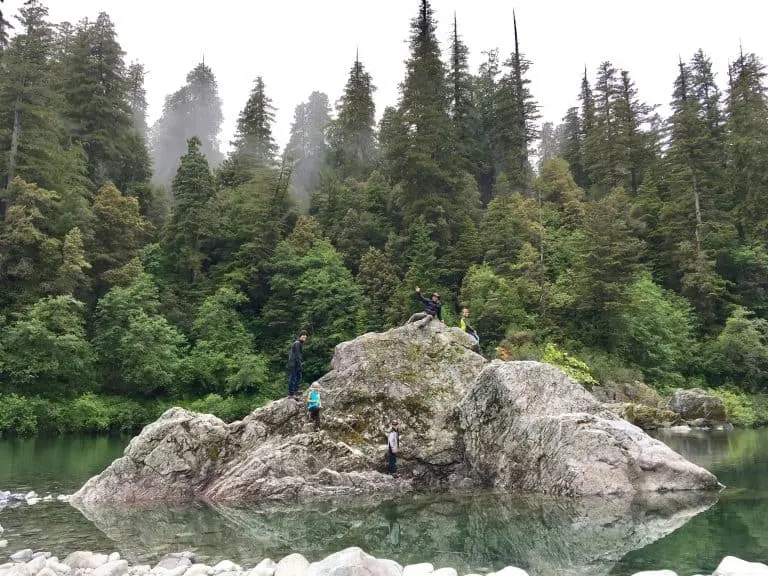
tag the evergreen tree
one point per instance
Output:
(352, 134)
(137, 98)
(31, 133)
(486, 87)
(183, 238)
(30, 251)
(463, 113)
(97, 97)
(308, 145)
(746, 125)
(570, 144)
(424, 138)
(254, 145)
(192, 111)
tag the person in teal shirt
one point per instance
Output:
(313, 403)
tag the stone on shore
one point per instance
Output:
(697, 405)
(292, 565)
(351, 562)
(732, 566)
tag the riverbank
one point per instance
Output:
(348, 561)
(90, 413)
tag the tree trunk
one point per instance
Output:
(697, 207)
(15, 137)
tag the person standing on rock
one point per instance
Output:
(295, 365)
(432, 306)
(464, 325)
(313, 403)
(393, 446)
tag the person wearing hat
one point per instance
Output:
(313, 403)
(432, 306)
(393, 446)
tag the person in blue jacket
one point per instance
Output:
(313, 403)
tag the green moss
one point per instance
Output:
(646, 417)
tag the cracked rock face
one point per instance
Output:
(528, 426)
(513, 426)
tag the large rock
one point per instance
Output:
(457, 416)
(528, 426)
(696, 404)
(417, 373)
(353, 562)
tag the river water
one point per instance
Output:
(689, 533)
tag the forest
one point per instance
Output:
(142, 267)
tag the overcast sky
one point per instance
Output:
(298, 46)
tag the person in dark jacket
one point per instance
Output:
(295, 364)
(432, 306)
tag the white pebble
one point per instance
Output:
(418, 569)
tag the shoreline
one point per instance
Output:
(348, 561)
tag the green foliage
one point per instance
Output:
(139, 351)
(222, 359)
(739, 355)
(493, 304)
(575, 368)
(119, 298)
(45, 351)
(742, 409)
(657, 329)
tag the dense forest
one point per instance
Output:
(141, 267)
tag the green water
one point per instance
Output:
(689, 533)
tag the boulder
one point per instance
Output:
(645, 417)
(417, 373)
(292, 565)
(732, 566)
(528, 426)
(112, 568)
(635, 393)
(85, 560)
(266, 567)
(22, 555)
(425, 375)
(353, 562)
(695, 404)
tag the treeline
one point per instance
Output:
(139, 266)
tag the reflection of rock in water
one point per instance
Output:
(542, 535)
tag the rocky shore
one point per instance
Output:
(348, 562)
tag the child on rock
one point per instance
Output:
(313, 403)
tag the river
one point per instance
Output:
(689, 533)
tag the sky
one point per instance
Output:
(299, 46)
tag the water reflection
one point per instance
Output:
(487, 531)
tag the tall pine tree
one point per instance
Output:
(192, 111)
(254, 146)
(352, 134)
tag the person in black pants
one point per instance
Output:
(432, 306)
(295, 365)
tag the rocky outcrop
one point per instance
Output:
(697, 406)
(528, 426)
(417, 373)
(515, 426)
